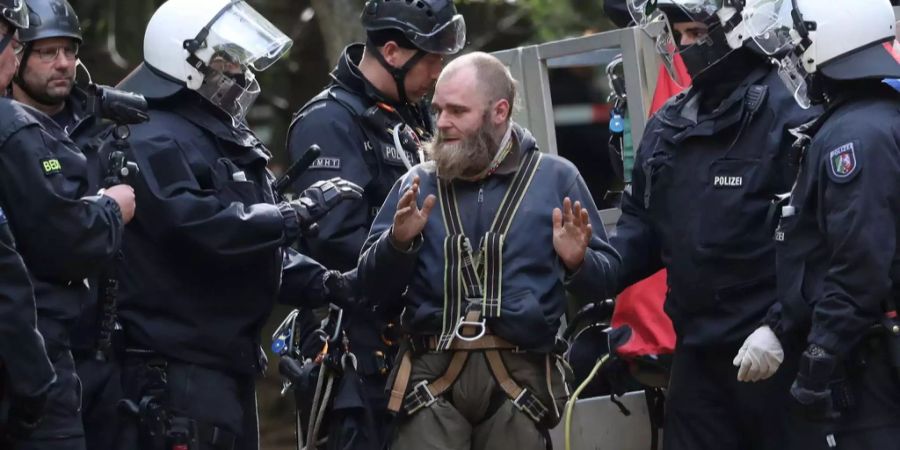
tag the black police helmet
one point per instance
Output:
(432, 26)
(51, 19)
(15, 12)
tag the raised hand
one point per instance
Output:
(410, 220)
(571, 233)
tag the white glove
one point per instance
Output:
(760, 355)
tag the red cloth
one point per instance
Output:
(640, 306)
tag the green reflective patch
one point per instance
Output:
(51, 166)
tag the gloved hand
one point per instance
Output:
(321, 197)
(760, 355)
(25, 414)
(811, 388)
(338, 286)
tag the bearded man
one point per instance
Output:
(482, 281)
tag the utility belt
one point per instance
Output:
(880, 345)
(425, 393)
(158, 427)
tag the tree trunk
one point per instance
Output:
(339, 24)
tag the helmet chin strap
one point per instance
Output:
(20, 74)
(398, 73)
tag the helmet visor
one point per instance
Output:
(447, 39)
(656, 26)
(642, 11)
(230, 95)
(16, 13)
(793, 75)
(769, 24)
(247, 38)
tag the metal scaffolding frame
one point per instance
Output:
(529, 65)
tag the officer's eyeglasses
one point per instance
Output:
(48, 54)
(15, 44)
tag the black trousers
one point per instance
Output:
(101, 391)
(872, 421)
(213, 399)
(708, 409)
(61, 427)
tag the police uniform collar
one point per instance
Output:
(684, 114)
(198, 111)
(347, 75)
(77, 104)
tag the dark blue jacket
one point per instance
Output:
(25, 362)
(701, 206)
(534, 279)
(205, 252)
(62, 236)
(353, 133)
(839, 250)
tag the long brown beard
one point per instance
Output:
(468, 157)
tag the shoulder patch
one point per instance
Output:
(842, 161)
(326, 163)
(51, 166)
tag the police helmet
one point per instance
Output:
(840, 41)
(723, 19)
(51, 19)
(433, 26)
(15, 12)
(185, 42)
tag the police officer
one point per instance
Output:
(27, 372)
(710, 164)
(65, 232)
(46, 81)
(46, 76)
(204, 259)
(839, 236)
(369, 122)
(480, 367)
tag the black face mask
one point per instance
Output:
(706, 62)
(239, 78)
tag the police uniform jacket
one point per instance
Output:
(352, 123)
(534, 280)
(839, 240)
(205, 252)
(701, 205)
(62, 235)
(22, 351)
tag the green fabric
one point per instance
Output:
(628, 151)
(459, 419)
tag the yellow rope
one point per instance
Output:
(570, 405)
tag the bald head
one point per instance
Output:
(490, 77)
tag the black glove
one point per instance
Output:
(340, 288)
(811, 390)
(25, 414)
(321, 197)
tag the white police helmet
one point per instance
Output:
(208, 46)
(837, 40)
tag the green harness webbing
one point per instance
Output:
(465, 289)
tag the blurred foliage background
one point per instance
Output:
(114, 31)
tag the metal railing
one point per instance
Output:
(529, 65)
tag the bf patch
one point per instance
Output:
(843, 161)
(326, 163)
(51, 166)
